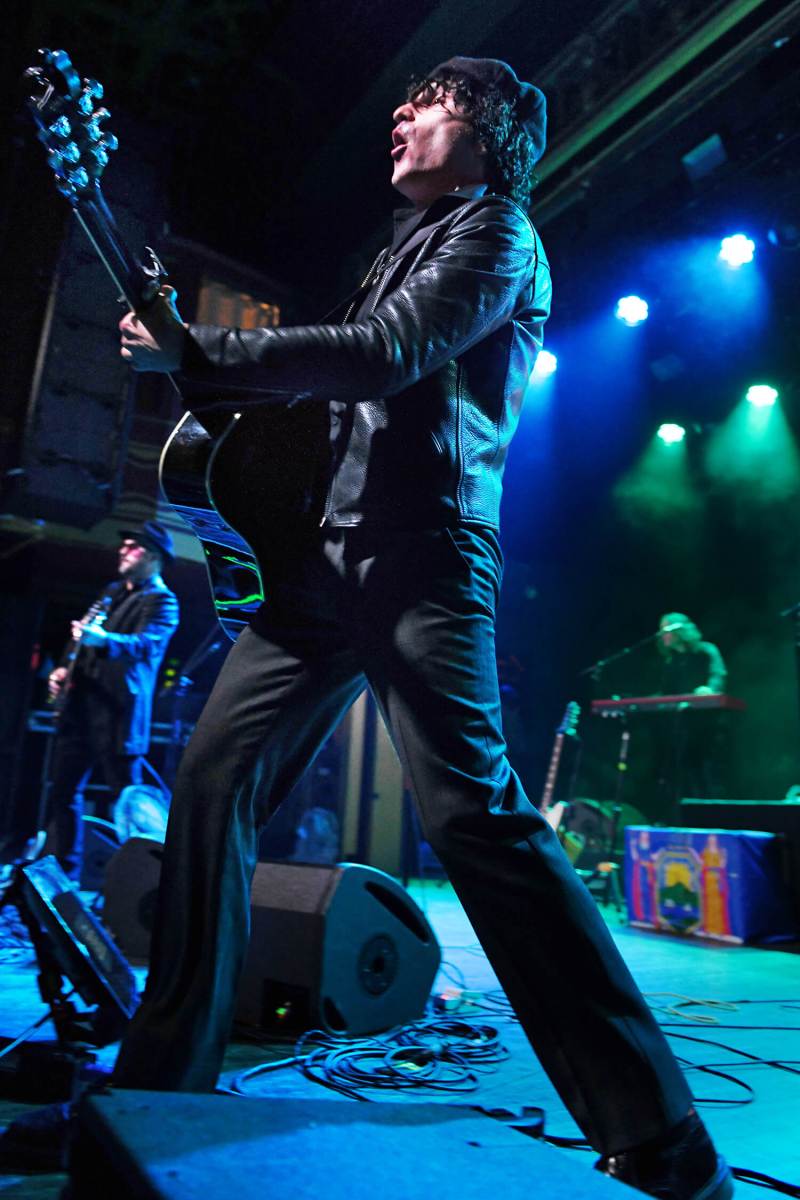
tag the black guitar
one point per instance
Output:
(237, 480)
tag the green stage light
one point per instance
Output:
(762, 395)
(671, 434)
(754, 451)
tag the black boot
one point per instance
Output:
(682, 1165)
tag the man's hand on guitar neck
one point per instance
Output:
(154, 339)
(90, 634)
(55, 681)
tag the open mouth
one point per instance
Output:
(399, 144)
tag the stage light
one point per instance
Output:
(671, 434)
(737, 250)
(632, 310)
(762, 395)
(546, 364)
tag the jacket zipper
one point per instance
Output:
(380, 265)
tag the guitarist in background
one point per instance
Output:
(394, 582)
(103, 689)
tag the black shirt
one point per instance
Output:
(701, 666)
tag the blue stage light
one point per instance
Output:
(737, 250)
(762, 395)
(671, 434)
(632, 310)
(546, 364)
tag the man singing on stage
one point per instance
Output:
(394, 586)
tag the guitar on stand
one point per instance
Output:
(236, 478)
(553, 812)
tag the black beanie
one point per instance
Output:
(530, 106)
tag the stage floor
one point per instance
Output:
(729, 1009)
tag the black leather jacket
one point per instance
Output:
(425, 376)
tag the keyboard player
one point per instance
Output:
(688, 663)
(691, 747)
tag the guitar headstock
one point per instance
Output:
(69, 123)
(569, 722)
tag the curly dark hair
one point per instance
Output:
(510, 152)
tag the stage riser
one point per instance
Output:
(769, 816)
(160, 1146)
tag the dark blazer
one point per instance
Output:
(124, 670)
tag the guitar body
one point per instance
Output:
(243, 483)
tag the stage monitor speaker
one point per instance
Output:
(343, 948)
(129, 895)
(71, 943)
(100, 844)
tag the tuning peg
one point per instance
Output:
(93, 130)
(61, 128)
(62, 62)
(111, 141)
(79, 179)
(98, 159)
(92, 92)
(56, 58)
(71, 152)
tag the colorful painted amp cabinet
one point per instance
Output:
(714, 883)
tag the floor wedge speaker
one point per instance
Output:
(342, 948)
(130, 887)
(100, 844)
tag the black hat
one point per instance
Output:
(529, 102)
(153, 537)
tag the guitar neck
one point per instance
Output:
(552, 774)
(136, 282)
(129, 275)
(96, 615)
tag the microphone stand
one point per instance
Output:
(594, 672)
(596, 669)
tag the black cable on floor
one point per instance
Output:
(759, 1179)
(439, 1054)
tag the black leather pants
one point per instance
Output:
(413, 615)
